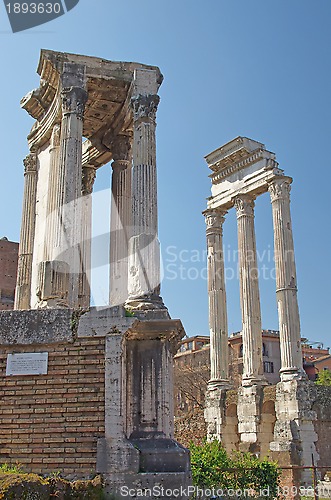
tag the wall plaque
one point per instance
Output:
(27, 363)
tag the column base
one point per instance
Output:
(287, 374)
(254, 381)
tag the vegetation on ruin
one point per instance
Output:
(212, 467)
(17, 485)
(324, 378)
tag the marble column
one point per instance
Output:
(144, 250)
(23, 285)
(218, 323)
(74, 97)
(121, 220)
(52, 211)
(249, 293)
(286, 281)
(88, 178)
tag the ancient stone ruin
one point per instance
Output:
(242, 170)
(89, 389)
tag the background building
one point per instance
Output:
(8, 272)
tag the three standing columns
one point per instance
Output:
(286, 282)
(23, 286)
(218, 323)
(249, 293)
(144, 250)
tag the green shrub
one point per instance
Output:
(212, 467)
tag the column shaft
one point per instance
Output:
(144, 267)
(121, 220)
(74, 97)
(286, 281)
(89, 173)
(218, 324)
(249, 293)
(23, 286)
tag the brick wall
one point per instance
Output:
(52, 422)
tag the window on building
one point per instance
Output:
(268, 367)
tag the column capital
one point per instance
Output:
(30, 164)
(73, 101)
(214, 218)
(145, 107)
(121, 151)
(244, 204)
(88, 177)
(280, 188)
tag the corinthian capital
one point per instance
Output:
(145, 106)
(244, 204)
(73, 101)
(280, 188)
(30, 163)
(214, 220)
(121, 150)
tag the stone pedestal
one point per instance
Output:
(214, 413)
(249, 417)
(294, 434)
(138, 449)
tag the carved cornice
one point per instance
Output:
(280, 189)
(30, 164)
(145, 107)
(244, 205)
(214, 220)
(73, 101)
(88, 178)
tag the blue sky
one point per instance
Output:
(257, 68)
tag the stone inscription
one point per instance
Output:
(30, 363)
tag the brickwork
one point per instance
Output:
(8, 272)
(53, 422)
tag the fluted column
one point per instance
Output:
(89, 174)
(249, 293)
(218, 323)
(144, 261)
(286, 281)
(74, 97)
(52, 211)
(23, 285)
(121, 220)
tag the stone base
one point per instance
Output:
(215, 413)
(294, 433)
(249, 417)
(169, 485)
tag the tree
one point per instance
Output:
(324, 378)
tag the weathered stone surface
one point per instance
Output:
(44, 326)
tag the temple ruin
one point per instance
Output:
(242, 170)
(93, 386)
